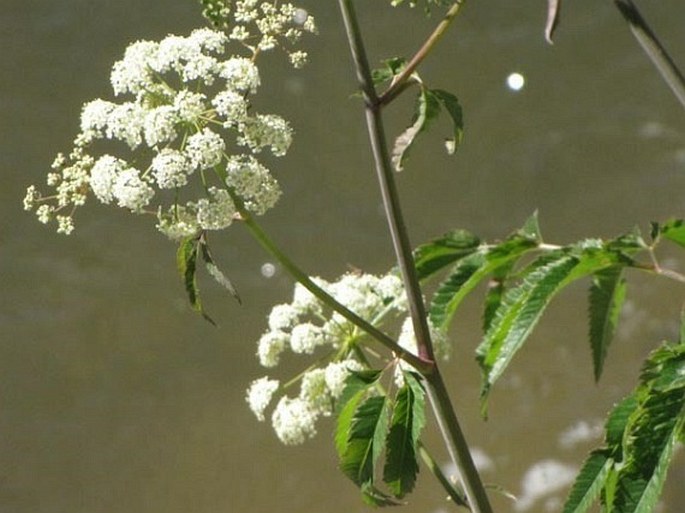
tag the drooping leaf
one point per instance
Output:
(408, 419)
(366, 440)
(356, 386)
(469, 272)
(454, 110)
(523, 305)
(607, 293)
(589, 482)
(437, 254)
(186, 263)
(674, 230)
(427, 109)
(214, 270)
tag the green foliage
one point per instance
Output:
(607, 293)
(434, 256)
(673, 230)
(391, 68)
(642, 431)
(523, 304)
(186, 262)
(470, 270)
(371, 424)
(429, 104)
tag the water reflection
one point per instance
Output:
(116, 398)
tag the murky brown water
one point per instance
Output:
(115, 398)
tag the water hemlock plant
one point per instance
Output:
(182, 144)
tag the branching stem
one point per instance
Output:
(402, 80)
(439, 398)
(265, 241)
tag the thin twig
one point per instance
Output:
(400, 82)
(653, 48)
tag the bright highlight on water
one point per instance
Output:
(516, 81)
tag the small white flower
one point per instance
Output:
(160, 125)
(241, 75)
(336, 373)
(217, 211)
(32, 195)
(266, 130)
(253, 183)
(231, 106)
(294, 421)
(190, 106)
(103, 175)
(65, 224)
(130, 191)
(133, 73)
(125, 123)
(305, 338)
(94, 118)
(282, 317)
(259, 395)
(171, 169)
(44, 213)
(178, 223)
(205, 149)
(270, 347)
(315, 392)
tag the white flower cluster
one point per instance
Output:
(188, 94)
(262, 25)
(303, 326)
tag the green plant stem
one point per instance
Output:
(653, 48)
(400, 83)
(265, 241)
(454, 494)
(439, 398)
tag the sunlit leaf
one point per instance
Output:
(469, 272)
(589, 482)
(524, 304)
(674, 230)
(426, 110)
(366, 440)
(607, 293)
(408, 419)
(186, 263)
(437, 254)
(214, 270)
(454, 110)
(376, 498)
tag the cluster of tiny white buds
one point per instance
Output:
(184, 90)
(305, 326)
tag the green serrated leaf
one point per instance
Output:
(589, 482)
(674, 230)
(408, 419)
(214, 270)
(376, 498)
(469, 272)
(437, 254)
(617, 422)
(366, 440)
(427, 109)
(186, 263)
(607, 294)
(453, 108)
